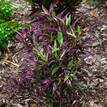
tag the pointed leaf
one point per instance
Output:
(79, 30)
(41, 55)
(54, 88)
(78, 84)
(55, 47)
(56, 56)
(66, 78)
(68, 20)
(73, 34)
(60, 38)
(51, 36)
(54, 70)
(70, 63)
(68, 83)
(45, 10)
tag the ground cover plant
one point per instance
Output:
(55, 58)
(7, 25)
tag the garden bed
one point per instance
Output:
(96, 95)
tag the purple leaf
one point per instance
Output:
(73, 25)
(92, 26)
(19, 38)
(54, 88)
(68, 83)
(59, 95)
(60, 14)
(44, 81)
(15, 81)
(88, 53)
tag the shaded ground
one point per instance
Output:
(96, 96)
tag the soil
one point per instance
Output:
(96, 95)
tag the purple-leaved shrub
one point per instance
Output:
(54, 57)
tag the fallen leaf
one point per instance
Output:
(92, 13)
(78, 7)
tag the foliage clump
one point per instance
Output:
(55, 57)
(7, 25)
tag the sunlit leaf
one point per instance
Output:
(54, 70)
(73, 34)
(54, 13)
(68, 20)
(79, 29)
(41, 55)
(60, 38)
(66, 78)
(55, 49)
(51, 37)
(56, 56)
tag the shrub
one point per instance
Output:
(7, 26)
(7, 32)
(6, 10)
(54, 58)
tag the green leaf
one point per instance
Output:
(60, 38)
(55, 51)
(79, 40)
(54, 70)
(73, 34)
(20, 7)
(41, 55)
(4, 46)
(68, 20)
(70, 63)
(54, 14)
(78, 84)
(55, 47)
(79, 29)
(66, 78)
(26, 25)
(56, 56)
(77, 63)
(51, 36)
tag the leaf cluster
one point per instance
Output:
(6, 10)
(7, 25)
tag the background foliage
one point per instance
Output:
(7, 25)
